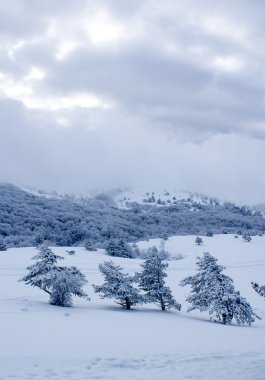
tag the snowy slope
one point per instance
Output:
(124, 197)
(98, 340)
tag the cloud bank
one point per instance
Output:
(120, 93)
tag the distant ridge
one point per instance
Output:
(68, 220)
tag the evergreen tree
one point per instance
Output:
(136, 250)
(38, 241)
(151, 281)
(59, 282)
(3, 246)
(118, 285)
(38, 272)
(119, 248)
(214, 292)
(260, 289)
(65, 282)
(89, 246)
(198, 240)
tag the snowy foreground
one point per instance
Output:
(98, 340)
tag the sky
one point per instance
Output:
(113, 93)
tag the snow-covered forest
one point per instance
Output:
(69, 221)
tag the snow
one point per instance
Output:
(124, 197)
(99, 340)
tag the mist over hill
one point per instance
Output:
(68, 220)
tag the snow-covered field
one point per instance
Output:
(98, 340)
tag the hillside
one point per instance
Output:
(98, 340)
(69, 221)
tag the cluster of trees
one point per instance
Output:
(211, 289)
(68, 221)
(120, 248)
(151, 285)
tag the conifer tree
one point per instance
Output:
(119, 248)
(118, 285)
(65, 282)
(3, 245)
(198, 240)
(89, 246)
(59, 282)
(38, 273)
(214, 292)
(260, 289)
(152, 281)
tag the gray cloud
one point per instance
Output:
(183, 85)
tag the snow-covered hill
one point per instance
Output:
(71, 221)
(98, 340)
(160, 197)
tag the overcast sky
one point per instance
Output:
(109, 93)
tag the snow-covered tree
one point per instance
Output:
(38, 241)
(118, 285)
(232, 305)
(38, 273)
(89, 246)
(152, 281)
(119, 248)
(59, 282)
(65, 282)
(136, 250)
(214, 292)
(3, 245)
(198, 240)
(260, 289)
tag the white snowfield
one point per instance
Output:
(99, 340)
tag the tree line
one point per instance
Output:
(211, 290)
(26, 218)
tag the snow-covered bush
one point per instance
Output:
(71, 252)
(58, 281)
(214, 292)
(118, 285)
(152, 281)
(246, 237)
(260, 289)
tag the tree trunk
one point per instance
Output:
(163, 306)
(128, 305)
(224, 318)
